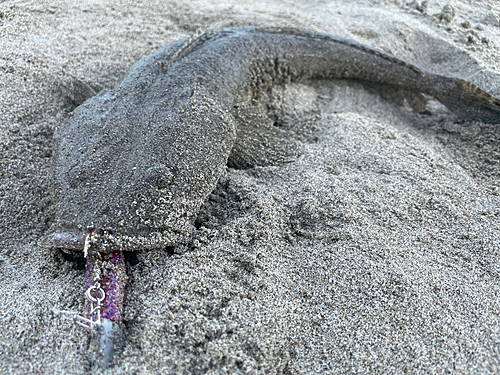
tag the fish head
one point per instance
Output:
(137, 175)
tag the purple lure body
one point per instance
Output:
(112, 282)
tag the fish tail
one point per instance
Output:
(466, 99)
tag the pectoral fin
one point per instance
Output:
(263, 146)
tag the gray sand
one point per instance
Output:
(375, 252)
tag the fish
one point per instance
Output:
(134, 165)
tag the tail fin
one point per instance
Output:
(478, 95)
(466, 99)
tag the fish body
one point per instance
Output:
(135, 164)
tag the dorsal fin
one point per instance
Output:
(348, 42)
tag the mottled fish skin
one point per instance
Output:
(137, 162)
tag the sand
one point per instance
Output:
(376, 251)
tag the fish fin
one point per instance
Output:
(466, 99)
(263, 146)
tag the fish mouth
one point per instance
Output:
(67, 239)
(107, 240)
